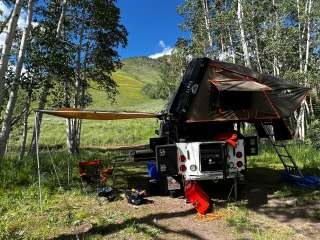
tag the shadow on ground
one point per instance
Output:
(147, 220)
(267, 193)
(264, 192)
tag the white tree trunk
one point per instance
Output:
(45, 90)
(307, 43)
(6, 124)
(231, 48)
(25, 126)
(7, 47)
(300, 38)
(74, 124)
(276, 64)
(207, 21)
(5, 22)
(276, 69)
(61, 18)
(301, 123)
(257, 53)
(243, 40)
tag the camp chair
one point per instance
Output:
(90, 171)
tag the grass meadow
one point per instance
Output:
(67, 208)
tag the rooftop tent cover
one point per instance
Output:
(239, 85)
(96, 115)
(285, 96)
(249, 96)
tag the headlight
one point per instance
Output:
(193, 168)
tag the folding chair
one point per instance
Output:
(90, 171)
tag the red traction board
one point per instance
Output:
(197, 197)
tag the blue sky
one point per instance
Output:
(152, 26)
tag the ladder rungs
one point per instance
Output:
(290, 166)
(287, 156)
(294, 169)
(278, 145)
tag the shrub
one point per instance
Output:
(151, 91)
(314, 134)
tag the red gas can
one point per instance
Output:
(197, 197)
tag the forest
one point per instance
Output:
(274, 37)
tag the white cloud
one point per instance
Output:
(166, 50)
(162, 44)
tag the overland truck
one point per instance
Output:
(197, 138)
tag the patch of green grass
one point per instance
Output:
(249, 225)
(305, 156)
(64, 210)
(284, 191)
(101, 133)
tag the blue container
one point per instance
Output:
(152, 169)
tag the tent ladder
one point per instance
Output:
(283, 153)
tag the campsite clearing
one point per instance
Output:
(289, 213)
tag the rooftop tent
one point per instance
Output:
(97, 115)
(286, 96)
(214, 91)
(231, 97)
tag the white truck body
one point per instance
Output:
(189, 161)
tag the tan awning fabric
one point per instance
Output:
(97, 115)
(240, 85)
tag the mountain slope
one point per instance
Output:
(144, 69)
(135, 73)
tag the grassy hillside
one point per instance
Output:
(143, 69)
(135, 73)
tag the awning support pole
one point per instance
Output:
(36, 121)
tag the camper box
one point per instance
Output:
(213, 98)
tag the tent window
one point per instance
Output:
(235, 100)
(229, 100)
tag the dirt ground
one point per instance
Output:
(267, 209)
(264, 195)
(178, 220)
(289, 205)
(175, 219)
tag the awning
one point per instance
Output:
(96, 115)
(239, 85)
